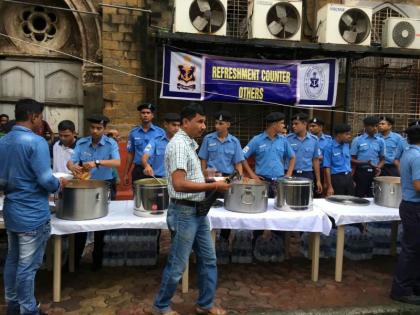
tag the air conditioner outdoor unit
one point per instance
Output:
(340, 24)
(276, 19)
(401, 33)
(200, 16)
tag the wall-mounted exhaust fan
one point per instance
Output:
(283, 20)
(200, 16)
(339, 24)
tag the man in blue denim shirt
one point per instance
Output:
(186, 187)
(26, 179)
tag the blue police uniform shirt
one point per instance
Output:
(305, 150)
(402, 146)
(106, 149)
(337, 157)
(323, 141)
(138, 140)
(392, 141)
(26, 179)
(156, 151)
(270, 154)
(221, 155)
(367, 148)
(410, 171)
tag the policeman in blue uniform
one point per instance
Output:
(392, 143)
(98, 154)
(220, 149)
(306, 148)
(406, 283)
(337, 162)
(368, 157)
(138, 139)
(316, 126)
(153, 159)
(270, 149)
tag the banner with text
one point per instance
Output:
(200, 77)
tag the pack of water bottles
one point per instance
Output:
(269, 249)
(222, 250)
(327, 247)
(242, 247)
(133, 247)
(358, 245)
(381, 235)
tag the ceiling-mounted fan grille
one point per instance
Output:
(354, 26)
(403, 34)
(283, 20)
(207, 16)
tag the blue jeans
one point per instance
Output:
(188, 231)
(24, 257)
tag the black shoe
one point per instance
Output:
(409, 299)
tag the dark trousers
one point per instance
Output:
(342, 184)
(80, 240)
(137, 173)
(309, 175)
(390, 170)
(407, 274)
(363, 177)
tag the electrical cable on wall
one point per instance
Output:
(213, 93)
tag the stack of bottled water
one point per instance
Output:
(327, 244)
(242, 247)
(269, 250)
(357, 245)
(222, 250)
(381, 235)
(114, 248)
(134, 247)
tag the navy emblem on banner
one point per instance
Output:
(314, 81)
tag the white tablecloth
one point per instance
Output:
(272, 219)
(120, 217)
(345, 214)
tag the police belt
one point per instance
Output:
(342, 173)
(184, 202)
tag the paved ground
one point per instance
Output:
(251, 288)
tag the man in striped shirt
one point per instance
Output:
(187, 187)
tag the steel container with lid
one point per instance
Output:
(151, 196)
(387, 191)
(83, 200)
(247, 197)
(294, 194)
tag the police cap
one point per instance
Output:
(371, 121)
(317, 121)
(341, 128)
(223, 115)
(301, 117)
(388, 119)
(149, 106)
(172, 117)
(414, 123)
(98, 119)
(274, 116)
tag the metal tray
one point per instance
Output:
(348, 200)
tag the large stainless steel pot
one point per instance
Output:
(151, 194)
(247, 197)
(83, 200)
(387, 191)
(294, 193)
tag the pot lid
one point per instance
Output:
(348, 200)
(296, 180)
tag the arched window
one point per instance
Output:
(380, 14)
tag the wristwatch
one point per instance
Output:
(97, 163)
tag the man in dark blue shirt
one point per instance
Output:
(26, 179)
